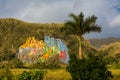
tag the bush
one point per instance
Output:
(32, 75)
(115, 66)
(51, 63)
(91, 68)
(4, 64)
(6, 74)
(15, 63)
(38, 65)
(110, 59)
(25, 76)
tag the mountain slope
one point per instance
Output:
(111, 53)
(104, 41)
(14, 32)
(112, 48)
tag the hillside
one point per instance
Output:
(14, 33)
(103, 41)
(112, 48)
(111, 52)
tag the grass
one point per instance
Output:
(57, 74)
(60, 74)
(52, 74)
(116, 74)
(17, 72)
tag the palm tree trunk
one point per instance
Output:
(80, 53)
(80, 49)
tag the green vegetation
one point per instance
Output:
(57, 74)
(14, 63)
(111, 53)
(32, 75)
(52, 74)
(91, 68)
(116, 73)
(6, 74)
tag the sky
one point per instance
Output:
(57, 11)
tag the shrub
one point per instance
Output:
(15, 63)
(91, 68)
(51, 63)
(32, 75)
(115, 66)
(38, 65)
(4, 64)
(25, 76)
(6, 74)
(110, 59)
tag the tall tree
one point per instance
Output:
(91, 68)
(79, 26)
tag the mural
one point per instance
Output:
(34, 51)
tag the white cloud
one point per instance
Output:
(115, 22)
(103, 9)
(58, 10)
(46, 12)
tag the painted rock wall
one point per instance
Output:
(34, 51)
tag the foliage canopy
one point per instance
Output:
(91, 68)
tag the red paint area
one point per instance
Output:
(63, 55)
(34, 51)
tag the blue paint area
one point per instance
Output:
(60, 45)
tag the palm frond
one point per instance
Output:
(80, 26)
(74, 17)
(93, 28)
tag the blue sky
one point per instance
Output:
(44, 11)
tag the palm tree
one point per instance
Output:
(80, 26)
